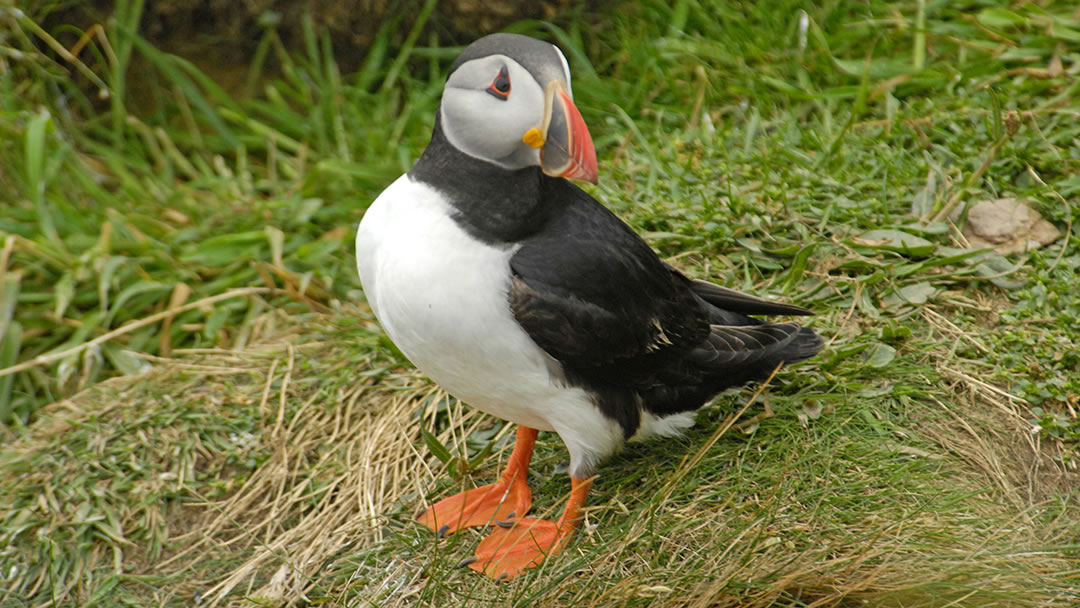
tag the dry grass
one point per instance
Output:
(991, 431)
(764, 521)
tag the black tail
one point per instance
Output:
(733, 355)
(738, 349)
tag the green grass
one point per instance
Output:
(276, 446)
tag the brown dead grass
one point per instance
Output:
(991, 431)
(336, 466)
(361, 449)
(339, 460)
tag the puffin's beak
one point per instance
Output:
(566, 148)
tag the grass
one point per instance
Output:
(171, 442)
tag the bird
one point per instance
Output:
(523, 296)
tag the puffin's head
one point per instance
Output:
(508, 101)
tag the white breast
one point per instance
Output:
(442, 297)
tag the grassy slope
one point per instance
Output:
(899, 468)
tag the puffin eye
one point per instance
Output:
(500, 87)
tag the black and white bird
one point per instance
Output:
(524, 297)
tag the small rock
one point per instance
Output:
(1008, 225)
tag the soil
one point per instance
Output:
(220, 36)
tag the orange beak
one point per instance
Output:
(567, 149)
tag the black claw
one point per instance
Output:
(504, 524)
(512, 515)
(468, 560)
(442, 531)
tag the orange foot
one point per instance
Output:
(493, 503)
(512, 548)
(505, 499)
(506, 552)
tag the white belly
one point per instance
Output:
(442, 296)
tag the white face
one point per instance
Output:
(483, 121)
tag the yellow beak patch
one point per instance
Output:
(533, 138)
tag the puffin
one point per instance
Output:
(521, 295)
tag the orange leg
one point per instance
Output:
(505, 499)
(524, 543)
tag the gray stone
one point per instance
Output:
(1008, 225)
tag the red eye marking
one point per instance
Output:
(500, 87)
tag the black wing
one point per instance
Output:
(594, 296)
(591, 292)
